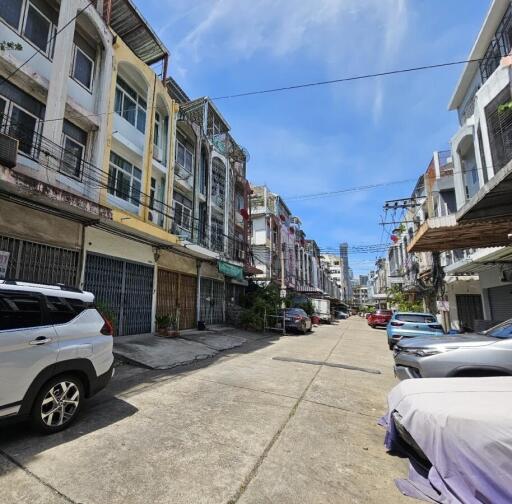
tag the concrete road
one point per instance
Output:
(243, 428)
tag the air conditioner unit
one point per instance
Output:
(158, 153)
(8, 150)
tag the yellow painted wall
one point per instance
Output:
(122, 54)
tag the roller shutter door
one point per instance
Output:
(125, 288)
(175, 290)
(500, 302)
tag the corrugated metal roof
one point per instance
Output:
(129, 24)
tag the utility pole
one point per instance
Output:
(283, 284)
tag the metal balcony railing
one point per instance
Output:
(32, 145)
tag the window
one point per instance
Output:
(158, 129)
(503, 330)
(19, 311)
(82, 68)
(217, 234)
(184, 157)
(73, 143)
(39, 29)
(182, 211)
(124, 179)
(417, 319)
(129, 105)
(62, 310)
(23, 127)
(10, 11)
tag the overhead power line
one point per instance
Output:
(38, 51)
(347, 79)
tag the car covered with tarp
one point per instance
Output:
(457, 433)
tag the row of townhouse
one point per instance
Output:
(282, 252)
(455, 240)
(111, 178)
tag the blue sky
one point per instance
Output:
(327, 137)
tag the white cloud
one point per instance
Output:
(343, 36)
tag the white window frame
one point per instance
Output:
(51, 31)
(186, 149)
(186, 214)
(72, 70)
(112, 190)
(9, 104)
(82, 160)
(137, 104)
(158, 122)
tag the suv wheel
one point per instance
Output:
(58, 403)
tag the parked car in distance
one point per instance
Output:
(322, 309)
(295, 319)
(478, 354)
(341, 315)
(411, 325)
(55, 351)
(379, 318)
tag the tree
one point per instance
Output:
(402, 301)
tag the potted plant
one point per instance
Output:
(174, 325)
(108, 314)
(163, 323)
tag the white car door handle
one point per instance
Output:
(41, 340)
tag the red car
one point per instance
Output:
(379, 318)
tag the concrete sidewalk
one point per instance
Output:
(242, 427)
(154, 352)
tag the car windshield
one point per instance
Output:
(294, 311)
(416, 318)
(503, 330)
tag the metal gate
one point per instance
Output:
(469, 308)
(175, 290)
(500, 302)
(36, 262)
(124, 288)
(212, 307)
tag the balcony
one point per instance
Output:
(52, 164)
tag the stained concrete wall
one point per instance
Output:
(35, 225)
(177, 262)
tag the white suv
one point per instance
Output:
(55, 351)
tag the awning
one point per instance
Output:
(481, 260)
(484, 221)
(231, 270)
(444, 233)
(127, 21)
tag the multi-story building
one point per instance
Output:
(210, 205)
(94, 174)
(281, 250)
(360, 295)
(482, 173)
(379, 284)
(54, 90)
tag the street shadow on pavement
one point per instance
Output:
(20, 444)
(110, 405)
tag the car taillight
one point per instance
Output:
(435, 326)
(107, 329)
(397, 324)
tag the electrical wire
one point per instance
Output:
(348, 79)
